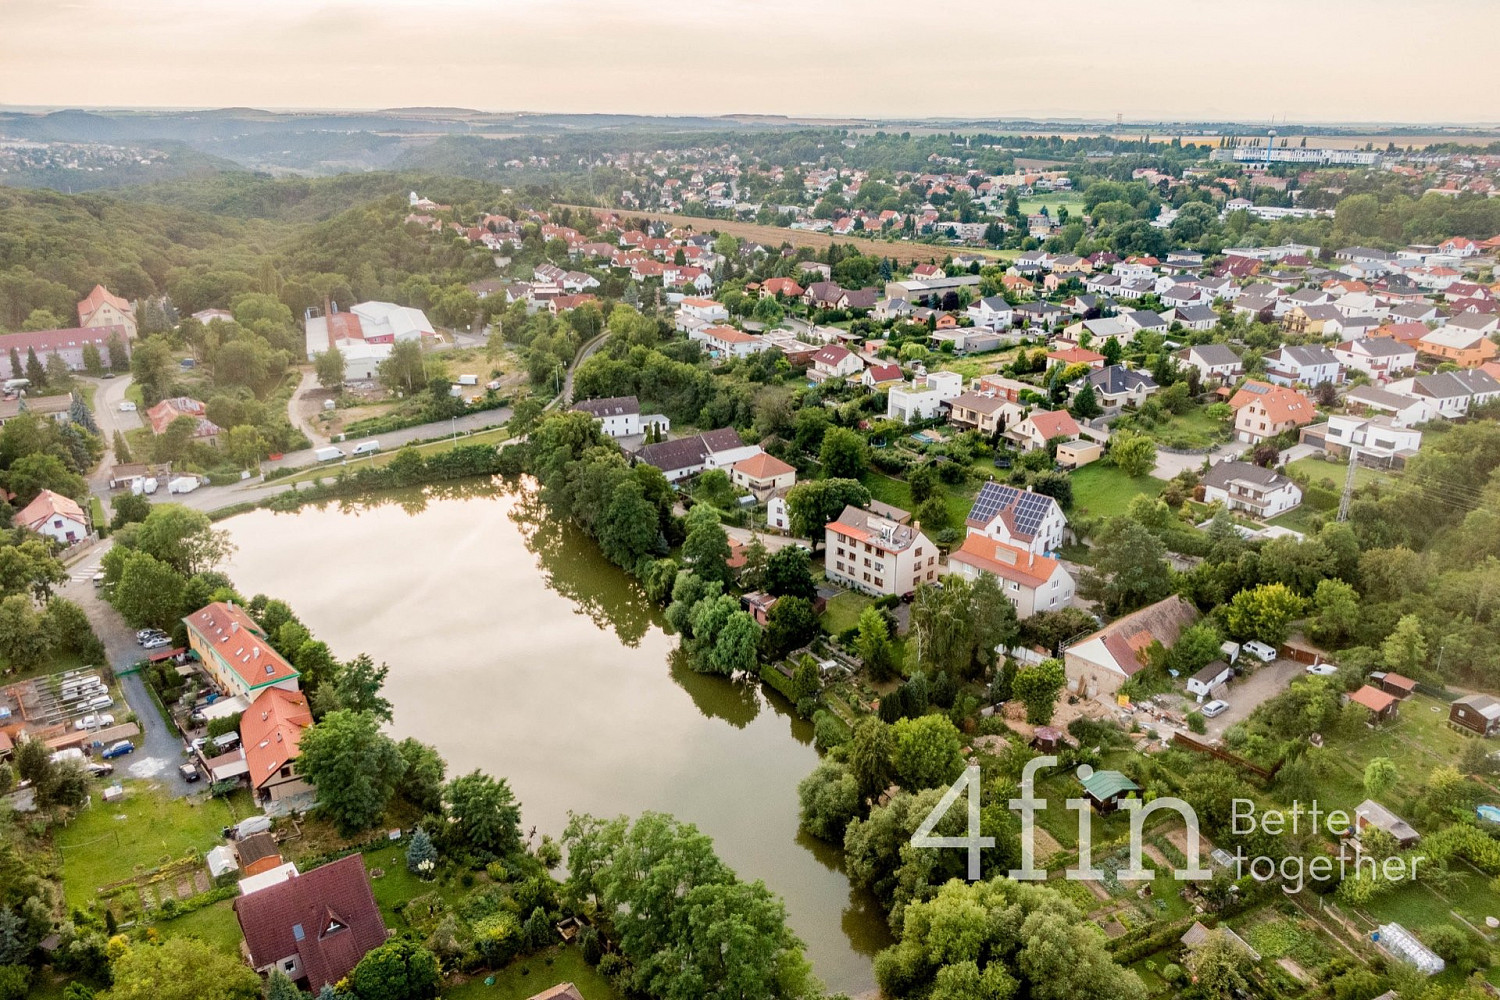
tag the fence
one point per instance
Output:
(1188, 743)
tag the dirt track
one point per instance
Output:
(774, 236)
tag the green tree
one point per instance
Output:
(152, 367)
(30, 474)
(30, 568)
(873, 645)
(397, 970)
(844, 454)
(183, 538)
(1132, 453)
(353, 766)
(1038, 687)
(1130, 570)
(789, 573)
(1380, 776)
(404, 370)
(129, 508)
(148, 591)
(279, 987)
(1265, 613)
(1335, 612)
(928, 752)
(485, 813)
(734, 646)
(24, 641)
(421, 781)
(1405, 649)
(357, 687)
(706, 549)
(421, 856)
(1085, 403)
(790, 624)
(811, 504)
(829, 799)
(181, 968)
(1216, 964)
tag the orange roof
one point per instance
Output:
(1373, 698)
(729, 335)
(1075, 356)
(1054, 423)
(240, 642)
(763, 466)
(1400, 681)
(700, 303)
(97, 298)
(271, 731)
(1281, 404)
(46, 506)
(1004, 561)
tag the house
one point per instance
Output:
(562, 991)
(1041, 314)
(1099, 663)
(834, 361)
(727, 342)
(1041, 427)
(1310, 365)
(1395, 684)
(707, 310)
(1263, 493)
(858, 299)
(1381, 706)
(1370, 813)
(1105, 790)
(1404, 411)
(69, 345)
(882, 376)
(1068, 356)
(271, 733)
(823, 294)
(617, 416)
(102, 310)
(1377, 357)
(1078, 452)
(781, 288)
(762, 474)
(1479, 713)
(1213, 361)
(992, 312)
(1463, 340)
(1202, 684)
(165, 413)
(688, 456)
(1120, 386)
(233, 650)
(1262, 411)
(1192, 317)
(922, 399)
(314, 928)
(1141, 321)
(58, 517)
(1029, 581)
(877, 555)
(1450, 394)
(1027, 520)
(1100, 330)
(984, 412)
(1377, 437)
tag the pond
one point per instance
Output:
(515, 648)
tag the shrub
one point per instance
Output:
(1196, 722)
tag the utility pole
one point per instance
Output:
(1348, 484)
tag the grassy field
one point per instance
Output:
(113, 841)
(1417, 741)
(1303, 519)
(1317, 470)
(1193, 429)
(530, 976)
(1052, 202)
(1101, 490)
(843, 611)
(897, 493)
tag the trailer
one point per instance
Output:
(183, 484)
(468, 380)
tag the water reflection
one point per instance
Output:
(516, 647)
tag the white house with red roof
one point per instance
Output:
(877, 555)
(271, 735)
(1030, 582)
(66, 344)
(763, 474)
(55, 516)
(882, 376)
(234, 650)
(100, 309)
(1041, 427)
(834, 361)
(727, 342)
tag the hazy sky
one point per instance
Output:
(1349, 60)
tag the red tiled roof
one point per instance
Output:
(271, 732)
(326, 917)
(236, 637)
(763, 466)
(46, 506)
(1373, 698)
(45, 342)
(97, 298)
(1054, 423)
(1005, 561)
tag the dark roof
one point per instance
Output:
(685, 452)
(614, 406)
(1212, 354)
(1117, 378)
(1021, 510)
(1447, 385)
(255, 847)
(1224, 473)
(1195, 314)
(1312, 354)
(326, 917)
(1211, 671)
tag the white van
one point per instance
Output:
(468, 380)
(103, 701)
(328, 454)
(365, 448)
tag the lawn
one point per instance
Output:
(1418, 741)
(1052, 202)
(214, 925)
(1303, 519)
(399, 886)
(111, 842)
(529, 976)
(1193, 429)
(1317, 469)
(1101, 490)
(897, 493)
(843, 611)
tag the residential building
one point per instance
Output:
(1029, 581)
(1450, 394)
(762, 475)
(1379, 438)
(922, 399)
(1027, 520)
(66, 344)
(877, 555)
(1310, 365)
(1042, 427)
(1099, 663)
(882, 376)
(1076, 356)
(1463, 340)
(271, 734)
(984, 412)
(1120, 386)
(314, 927)
(834, 361)
(688, 456)
(168, 411)
(707, 310)
(1263, 493)
(992, 312)
(1377, 357)
(1215, 362)
(1193, 317)
(234, 651)
(102, 310)
(617, 416)
(57, 517)
(727, 342)
(1262, 411)
(1404, 411)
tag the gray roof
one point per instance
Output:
(1313, 354)
(1211, 354)
(1450, 385)
(1379, 816)
(1382, 347)
(1117, 379)
(1195, 314)
(1486, 705)
(689, 451)
(614, 406)
(1224, 473)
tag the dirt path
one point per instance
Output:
(295, 406)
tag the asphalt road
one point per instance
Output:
(158, 751)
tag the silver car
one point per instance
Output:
(1215, 707)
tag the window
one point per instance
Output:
(289, 965)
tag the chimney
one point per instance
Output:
(234, 627)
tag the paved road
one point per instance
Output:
(1169, 464)
(159, 751)
(108, 395)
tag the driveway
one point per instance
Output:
(770, 540)
(1169, 464)
(158, 751)
(1247, 693)
(294, 410)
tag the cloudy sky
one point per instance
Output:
(1305, 60)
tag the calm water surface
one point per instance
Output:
(516, 648)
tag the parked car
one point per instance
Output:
(157, 642)
(189, 772)
(1259, 650)
(1322, 669)
(119, 749)
(142, 635)
(94, 722)
(1215, 707)
(126, 406)
(99, 769)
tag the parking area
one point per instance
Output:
(1247, 692)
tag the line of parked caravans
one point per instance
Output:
(82, 692)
